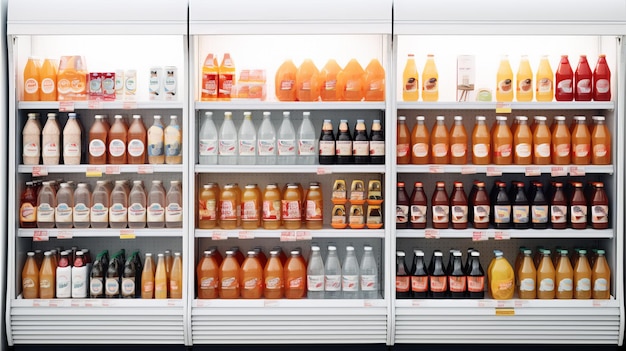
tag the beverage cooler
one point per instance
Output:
(468, 40)
(118, 36)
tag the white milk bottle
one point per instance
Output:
(307, 141)
(156, 149)
(82, 206)
(156, 205)
(137, 206)
(247, 140)
(173, 142)
(51, 138)
(65, 206)
(174, 208)
(46, 205)
(118, 208)
(31, 140)
(207, 141)
(100, 205)
(266, 139)
(79, 276)
(72, 141)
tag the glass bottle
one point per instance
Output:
(440, 204)
(440, 142)
(403, 142)
(419, 276)
(458, 142)
(402, 207)
(361, 143)
(403, 279)
(458, 207)
(419, 145)
(418, 207)
(377, 143)
(343, 144)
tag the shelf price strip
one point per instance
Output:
(303, 235)
(39, 171)
(127, 234)
(288, 235)
(431, 234)
(219, 235)
(479, 235)
(40, 235)
(558, 171)
(246, 234)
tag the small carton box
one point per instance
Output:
(95, 86)
(108, 86)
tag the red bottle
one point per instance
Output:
(458, 207)
(440, 207)
(578, 207)
(602, 80)
(564, 81)
(418, 207)
(583, 84)
(558, 207)
(402, 207)
(481, 207)
(599, 207)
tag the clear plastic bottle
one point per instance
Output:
(266, 139)
(156, 205)
(247, 140)
(207, 141)
(46, 204)
(137, 206)
(369, 274)
(227, 141)
(286, 141)
(307, 141)
(173, 142)
(350, 275)
(100, 205)
(65, 206)
(174, 208)
(82, 206)
(315, 274)
(332, 274)
(118, 210)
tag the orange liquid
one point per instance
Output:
(271, 207)
(328, 81)
(458, 143)
(227, 78)
(207, 277)
(72, 80)
(251, 278)
(274, 275)
(527, 278)
(440, 144)
(523, 141)
(208, 201)
(118, 139)
(251, 207)
(31, 88)
(564, 278)
(541, 144)
(501, 144)
(582, 278)
(581, 144)
(228, 208)
(601, 279)
(137, 142)
(351, 81)
(147, 279)
(295, 277)
(176, 278)
(210, 78)
(314, 208)
(47, 278)
(229, 276)
(30, 279)
(160, 279)
(291, 208)
(420, 143)
(307, 82)
(561, 141)
(546, 277)
(48, 81)
(481, 144)
(600, 145)
(504, 81)
(285, 81)
(374, 87)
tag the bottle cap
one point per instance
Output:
(400, 253)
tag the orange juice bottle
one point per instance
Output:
(501, 278)
(328, 81)
(32, 73)
(271, 207)
(208, 199)
(601, 278)
(210, 78)
(440, 142)
(527, 277)
(295, 276)
(403, 143)
(147, 277)
(410, 80)
(458, 142)
(176, 277)
(291, 210)
(374, 87)
(72, 79)
(47, 277)
(314, 207)
(229, 200)
(307, 82)
(600, 142)
(481, 142)
(227, 78)
(546, 276)
(229, 275)
(523, 141)
(504, 81)
(160, 278)
(30, 277)
(420, 143)
(430, 80)
(524, 87)
(207, 276)
(582, 276)
(251, 207)
(48, 82)
(561, 140)
(285, 81)
(502, 142)
(564, 277)
(351, 80)
(542, 141)
(581, 142)
(545, 80)
(251, 277)
(273, 274)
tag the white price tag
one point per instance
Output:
(219, 235)
(494, 171)
(431, 233)
(64, 234)
(40, 235)
(94, 104)
(288, 235)
(533, 171)
(479, 235)
(577, 171)
(468, 170)
(246, 234)
(435, 169)
(303, 235)
(323, 170)
(66, 106)
(40, 171)
(502, 235)
(558, 171)
(112, 169)
(145, 169)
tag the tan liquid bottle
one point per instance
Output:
(458, 142)
(601, 277)
(523, 142)
(541, 142)
(502, 142)
(420, 143)
(440, 142)
(527, 277)
(564, 277)
(561, 140)
(546, 275)
(582, 277)
(481, 142)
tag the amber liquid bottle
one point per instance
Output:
(440, 207)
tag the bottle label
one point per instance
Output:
(173, 213)
(502, 214)
(287, 84)
(600, 284)
(286, 147)
(578, 214)
(273, 283)
(71, 150)
(45, 213)
(28, 283)
(410, 85)
(30, 149)
(247, 147)
(420, 150)
(480, 150)
(28, 212)
(97, 148)
(441, 213)
(523, 149)
(546, 284)
(565, 86)
(603, 86)
(558, 213)
(296, 283)
(207, 210)
(128, 286)
(440, 150)
(475, 284)
(211, 84)
(403, 283)
(63, 213)
(117, 147)
(81, 213)
(544, 85)
(350, 282)
(540, 213)
(339, 215)
(63, 284)
(118, 213)
(430, 84)
(332, 282)
(268, 147)
(505, 86)
(438, 283)
(542, 150)
(207, 147)
(315, 282)
(419, 283)
(156, 213)
(562, 150)
(353, 85)
(459, 214)
(99, 213)
(360, 148)
(306, 147)
(527, 284)
(458, 150)
(155, 141)
(402, 150)
(583, 86)
(566, 285)
(402, 213)
(599, 214)
(343, 148)
(599, 150)
(503, 150)
(581, 150)
(136, 148)
(229, 283)
(136, 213)
(208, 283)
(418, 214)
(481, 213)
(253, 283)
(31, 85)
(172, 141)
(249, 211)
(327, 148)
(521, 214)
(112, 286)
(228, 147)
(313, 210)
(356, 215)
(369, 282)
(271, 210)
(377, 148)
(291, 210)
(330, 85)
(44, 284)
(154, 86)
(95, 286)
(227, 210)
(457, 283)
(583, 284)
(51, 150)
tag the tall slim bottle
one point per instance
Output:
(266, 138)
(307, 141)
(247, 141)
(207, 140)
(228, 144)
(286, 141)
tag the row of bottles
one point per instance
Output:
(347, 148)
(218, 81)
(521, 144)
(115, 205)
(515, 208)
(355, 217)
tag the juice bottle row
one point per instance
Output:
(219, 82)
(116, 205)
(544, 86)
(559, 208)
(521, 144)
(118, 143)
(280, 276)
(356, 217)
(69, 80)
(71, 273)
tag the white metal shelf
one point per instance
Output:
(98, 170)
(239, 104)
(316, 169)
(98, 233)
(503, 234)
(97, 303)
(68, 106)
(289, 234)
(287, 303)
(532, 106)
(497, 170)
(416, 304)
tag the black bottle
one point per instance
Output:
(438, 277)
(377, 143)
(403, 279)
(540, 213)
(361, 144)
(419, 276)
(457, 281)
(327, 144)
(343, 144)
(521, 207)
(475, 277)
(501, 208)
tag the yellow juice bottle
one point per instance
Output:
(524, 78)
(545, 80)
(501, 278)
(410, 80)
(504, 80)
(430, 80)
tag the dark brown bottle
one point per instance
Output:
(402, 207)
(440, 204)
(343, 144)
(327, 144)
(521, 207)
(361, 144)
(377, 143)
(501, 207)
(457, 281)
(475, 277)
(438, 277)
(578, 207)
(558, 207)
(539, 211)
(28, 207)
(481, 207)
(419, 276)
(599, 207)
(458, 207)
(419, 207)
(403, 279)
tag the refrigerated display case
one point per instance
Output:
(115, 35)
(487, 30)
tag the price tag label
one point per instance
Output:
(468, 170)
(172, 303)
(64, 234)
(270, 303)
(219, 235)
(368, 303)
(520, 303)
(504, 303)
(53, 303)
(435, 169)
(94, 104)
(145, 169)
(288, 235)
(431, 234)
(600, 303)
(66, 106)
(416, 303)
(94, 172)
(127, 234)
(303, 235)
(40, 235)
(494, 172)
(502, 235)
(246, 234)
(558, 171)
(129, 105)
(40, 171)
(503, 107)
(112, 170)
(479, 235)
(202, 303)
(505, 311)
(533, 171)
(323, 170)
(76, 303)
(576, 171)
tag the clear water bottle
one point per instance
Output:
(228, 141)
(266, 139)
(332, 272)
(369, 274)
(315, 274)
(286, 142)
(207, 141)
(118, 210)
(247, 140)
(307, 141)
(137, 204)
(350, 275)
(82, 206)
